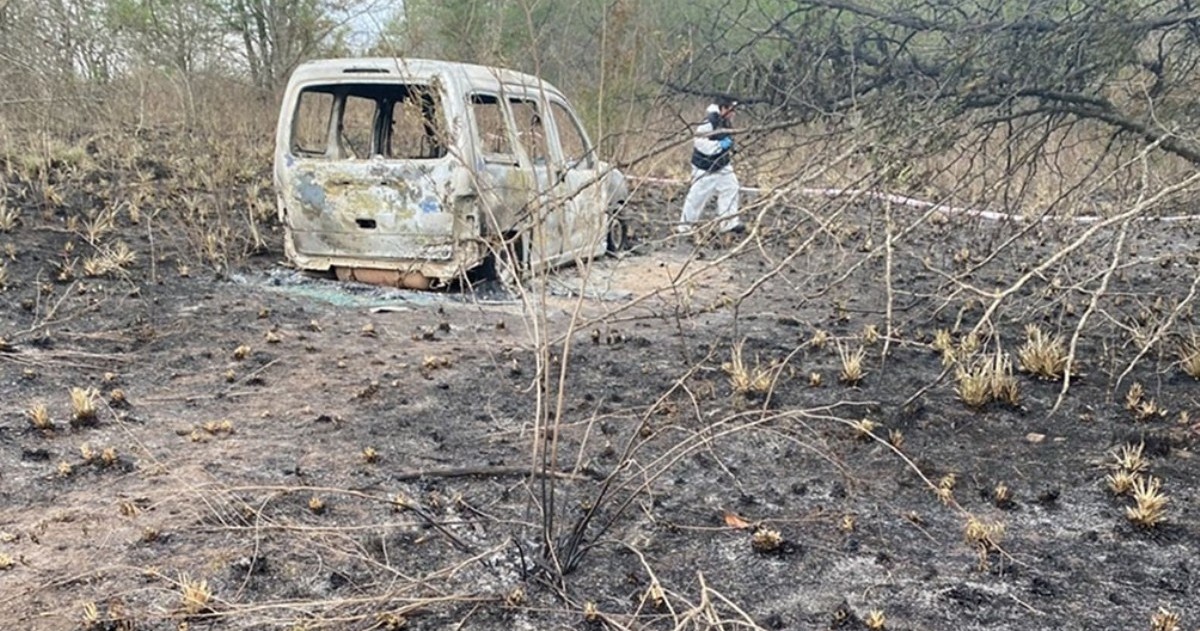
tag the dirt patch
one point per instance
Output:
(327, 457)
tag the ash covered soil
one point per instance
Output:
(345, 457)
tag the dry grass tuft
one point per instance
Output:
(875, 620)
(819, 339)
(1151, 504)
(974, 385)
(945, 488)
(65, 270)
(1143, 409)
(433, 362)
(983, 536)
(852, 366)
(401, 502)
(1147, 410)
(746, 379)
(1001, 381)
(95, 266)
(217, 428)
(195, 595)
(1120, 482)
(942, 341)
(766, 540)
(1133, 397)
(864, 429)
(39, 417)
(969, 344)
(242, 352)
(1164, 620)
(1002, 496)
(9, 217)
(870, 335)
(99, 226)
(91, 616)
(949, 357)
(983, 381)
(83, 406)
(316, 504)
(962, 256)
(515, 597)
(1129, 458)
(389, 621)
(656, 594)
(1042, 356)
(369, 455)
(110, 260)
(1189, 357)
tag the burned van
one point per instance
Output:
(415, 172)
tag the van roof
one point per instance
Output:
(401, 67)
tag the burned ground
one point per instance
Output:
(328, 456)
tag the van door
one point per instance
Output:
(585, 227)
(504, 180)
(546, 209)
(367, 173)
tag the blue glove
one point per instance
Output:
(725, 143)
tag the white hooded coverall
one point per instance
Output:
(718, 178)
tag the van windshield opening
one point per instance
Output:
(359, 121)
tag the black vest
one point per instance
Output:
(722, 157)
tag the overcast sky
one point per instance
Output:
(368, 21)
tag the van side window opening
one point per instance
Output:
(416, 128)
(310, 125)
(393, 121)
(491, 130)
(570, 136)
(530, 129)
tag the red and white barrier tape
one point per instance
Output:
(919, 203)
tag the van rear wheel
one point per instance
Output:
(506, 260)
(618, 233)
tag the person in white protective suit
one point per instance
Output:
(712, 170)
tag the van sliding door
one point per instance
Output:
(546, 210)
